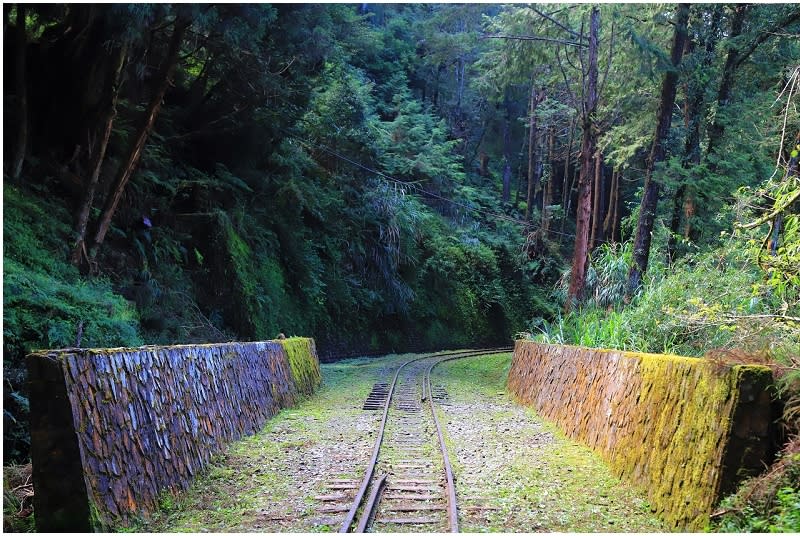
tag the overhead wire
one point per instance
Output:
(406, 184)
(416, 187)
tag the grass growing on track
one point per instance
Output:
(537, 479)
(253, 484)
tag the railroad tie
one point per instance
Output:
(410, 521)
(416, 508)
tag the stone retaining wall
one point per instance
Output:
(683, 429)
(112, 428)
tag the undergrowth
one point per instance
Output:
(770, 503)
(18, 499)
(716, 304)
(48, 304)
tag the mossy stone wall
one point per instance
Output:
(130, 423)
(682, 429)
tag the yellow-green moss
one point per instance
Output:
(662, 422)
(303, 361)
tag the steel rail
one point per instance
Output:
(351, 514)
(370, 506)
(452, 507)
(348, 521)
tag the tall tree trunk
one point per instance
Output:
(566, 185)
(519, 174)
(21, 90)
(507, 150)
(599, 201)
(737, 54)
(79, 253)
(547, 199)
(647, 210)
(717, 128)
(610, 222)
(534, 175)
(693, 115)
(588, 147)
(131, 160)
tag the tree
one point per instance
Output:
(736, 56)
(534, 165)
(695, 89)
(20, 81)
(506, 194)
(580, 255)
(647, 210)
(131, 160)
(79, 253)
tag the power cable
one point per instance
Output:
(417, 188)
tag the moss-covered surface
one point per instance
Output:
(662, 422)
(303, 362)
(539, 480)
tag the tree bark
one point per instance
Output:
(612, 215)
(588, 148)
(22, 93)
(649, 204)
(483, 170)
(566, 185)
(534, 170)
(693, 115)
(716, 128)
(79, 253)
(134, 154)
(597, 209)
(547, 199)
(507, 151)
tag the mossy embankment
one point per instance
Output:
(683, 429)
(517, 472)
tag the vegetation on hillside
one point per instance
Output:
(397, 177)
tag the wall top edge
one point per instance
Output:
(57, 352)
(647, 355)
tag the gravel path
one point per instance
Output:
(514, 473)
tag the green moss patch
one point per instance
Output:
(678, 427)
(303, 362)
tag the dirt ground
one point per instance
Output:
(514, 472)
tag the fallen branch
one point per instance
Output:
(767, 217)
(720, 513)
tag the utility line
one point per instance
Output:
(389, 178)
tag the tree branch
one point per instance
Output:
(766, 34)
(767, 217)
(564, 74)
(610, 56)
(559, 24)
(534, 38)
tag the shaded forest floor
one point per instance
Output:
(513, 471)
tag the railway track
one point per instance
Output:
(408, 484)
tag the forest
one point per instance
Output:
(397, 177)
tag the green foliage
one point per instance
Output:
(46, 303)
(779, 512)
(414, 146)
(253, 284)
(711, 300)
